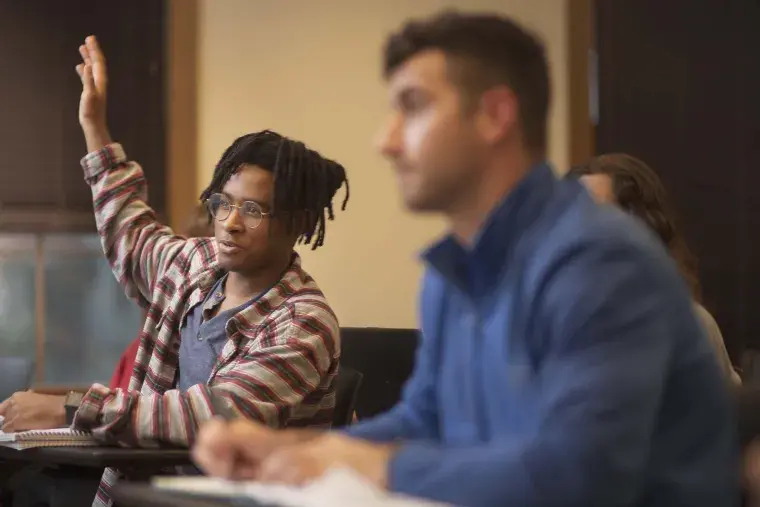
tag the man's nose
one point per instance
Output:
(389, 140)
(233, 222)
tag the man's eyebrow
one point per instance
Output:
(244, 199)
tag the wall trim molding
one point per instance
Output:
(181, 109)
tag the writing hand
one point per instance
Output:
(26, 410)
(300, 464)
(234, 450)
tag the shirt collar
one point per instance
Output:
(215, 297)
(478, 267)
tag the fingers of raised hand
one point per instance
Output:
(93, 49)
(92, 69)
(85, 54)
(84, 71)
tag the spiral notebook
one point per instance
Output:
(61, 437)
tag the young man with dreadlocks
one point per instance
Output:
(234, 324)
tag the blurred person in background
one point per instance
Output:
(632, 185)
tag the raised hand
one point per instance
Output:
(92, 104)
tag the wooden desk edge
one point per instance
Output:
(145, 495)
(98, 457)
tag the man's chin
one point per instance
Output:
(228, 264)
(417, 198)
(419, 204)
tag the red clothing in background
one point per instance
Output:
(123, 371)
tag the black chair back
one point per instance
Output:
(747, 405)
(386, 359)
(346, 392)
(15, 375)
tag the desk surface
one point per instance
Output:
(99, 457)
(143, 495)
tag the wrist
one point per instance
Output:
(299, 436)
(96, 136)
(60, 412)
(71, 404)
(380, 473)
(292, 437)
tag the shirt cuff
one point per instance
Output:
(105, 159)
(87, 416)
(404, 467)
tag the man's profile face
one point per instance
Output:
(432, 144)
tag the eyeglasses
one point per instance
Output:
(251, 213)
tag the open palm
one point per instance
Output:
(92, 72)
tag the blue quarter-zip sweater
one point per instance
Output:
(561, 364)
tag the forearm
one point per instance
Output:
(96, 137)
(269, 386)
(393, 425)
(548, 471)
(596, 428)
(136, 245)
(477, 477)
(135, 420)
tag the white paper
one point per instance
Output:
(337, 488)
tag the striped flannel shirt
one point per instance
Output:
(278, 365)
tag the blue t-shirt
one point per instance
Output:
(201, 340)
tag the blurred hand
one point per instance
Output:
(26, 410)
(234, 450)
(302, 463)
(751, 473)
(92, 103)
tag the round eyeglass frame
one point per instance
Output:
(221, 217)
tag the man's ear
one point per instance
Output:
(497, 115)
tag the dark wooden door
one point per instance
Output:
(41, 184)
(679, 87)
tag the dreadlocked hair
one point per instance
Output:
(305, 182)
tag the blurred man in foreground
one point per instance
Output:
(561, 363)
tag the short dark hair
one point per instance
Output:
(486, 50)
(305, 182)
(639, 191)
